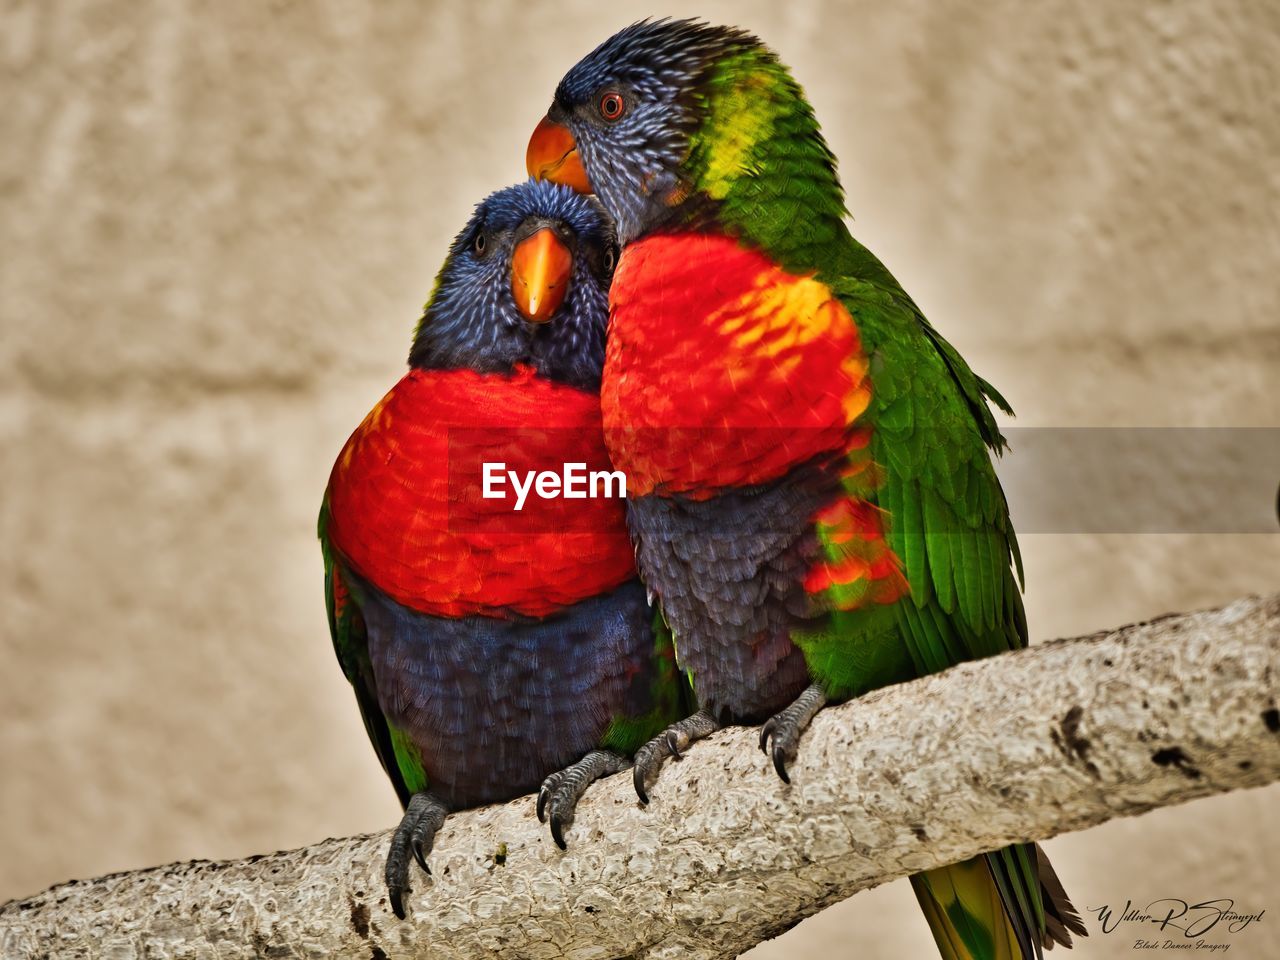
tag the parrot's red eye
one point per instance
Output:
(612, 106)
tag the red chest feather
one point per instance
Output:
(722, 369)
(407, 510)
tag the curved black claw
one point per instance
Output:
(419, 854)
(422, 818)
(785, 728)
(640, 773)
(669, 743)
(780, 763)
(558, 798)
(544, 794)
(673, 743)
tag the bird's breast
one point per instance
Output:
(722, 369)
(409, 514)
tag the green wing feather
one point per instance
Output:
(933, 436)
(351, 644)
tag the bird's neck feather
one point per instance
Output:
(760, 162)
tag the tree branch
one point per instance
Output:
(1022, 746)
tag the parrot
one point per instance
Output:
(490, 655)
(811, 490)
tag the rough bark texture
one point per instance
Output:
(1023, 746)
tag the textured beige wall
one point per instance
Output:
(218, 225)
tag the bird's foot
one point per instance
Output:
(670, 742)
(561, 791)
(785, 728)
(422, 818)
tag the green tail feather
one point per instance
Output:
(1005, 905)
(965, 912)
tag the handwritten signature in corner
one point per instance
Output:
(1193, 919)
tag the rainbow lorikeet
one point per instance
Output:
(812, 496)
(492, 652)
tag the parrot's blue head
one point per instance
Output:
(525, 282)
(626, 121)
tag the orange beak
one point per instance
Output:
(553, 155)
(540, 268)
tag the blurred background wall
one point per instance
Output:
(219, 222)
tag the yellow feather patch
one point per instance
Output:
(742, 116)
(778, 321)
